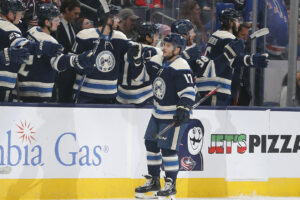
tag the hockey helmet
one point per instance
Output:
(228, 14)
(182, 26)
(147, 28)
(48, 11)
(13, 5)
(177, 40)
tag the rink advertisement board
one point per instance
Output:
(85, 152)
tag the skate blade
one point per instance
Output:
(171, 197)
(146, 196)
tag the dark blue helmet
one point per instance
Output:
(182, 26)
(147, 28)
(13, 5)
(177, 40)
(228, 14)
(48, 11)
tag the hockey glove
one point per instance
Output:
(182, 115)
(134, 55)
(84, 63)
(49, 49)
(14, 55)
(257, 60)
(234, 48)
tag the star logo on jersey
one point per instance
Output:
(26, 131)
(159, 88)
(195, 142)
(105, 61)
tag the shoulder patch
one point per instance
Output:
(158, 59)
(39, 35)
(119, 35)
(180, 64)
(223, 34)
(8, 26)
(87, 34)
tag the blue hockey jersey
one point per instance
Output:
(36, 77)
(10, 36)
(131, 91)
(215, 48)
(102, 82)
(172, 85)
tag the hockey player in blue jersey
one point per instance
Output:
(11, 36)
(229, 25)
(36, 77)
(139, 92)
(174, 96)
(202, 66)
(191, 53)
(100, 86)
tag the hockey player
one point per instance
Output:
(191, 53)
(100, 86)
(229, 21)
(36, 77)
(139, 92)
(10, 14)
(174, 95)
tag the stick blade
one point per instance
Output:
(259, 33)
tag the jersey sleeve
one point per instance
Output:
(185, 87)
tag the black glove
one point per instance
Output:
(84, 63)
(182, 115)
(134, 55)
(257, 60)
(14, 55)
(49, 49)
(234, 48)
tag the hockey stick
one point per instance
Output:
(106, 10)
(87, 7)
(256, 34)
(259, 33)
(158, 136)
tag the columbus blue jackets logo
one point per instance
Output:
(159, 88)
(190, 156)
(105, 61)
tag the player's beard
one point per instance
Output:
(168, 58)
(234, 30)
(189, 41)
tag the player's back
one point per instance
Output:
(131, 91)
(36, 77)
(217, 42)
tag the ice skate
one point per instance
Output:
(151, 187)
(169, 190)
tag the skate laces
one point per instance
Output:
(148, 180)
(168, 186)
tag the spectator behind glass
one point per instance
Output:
(283, 93)
(127, 22)
(83, 23)
(154, 4)
(191, 10)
